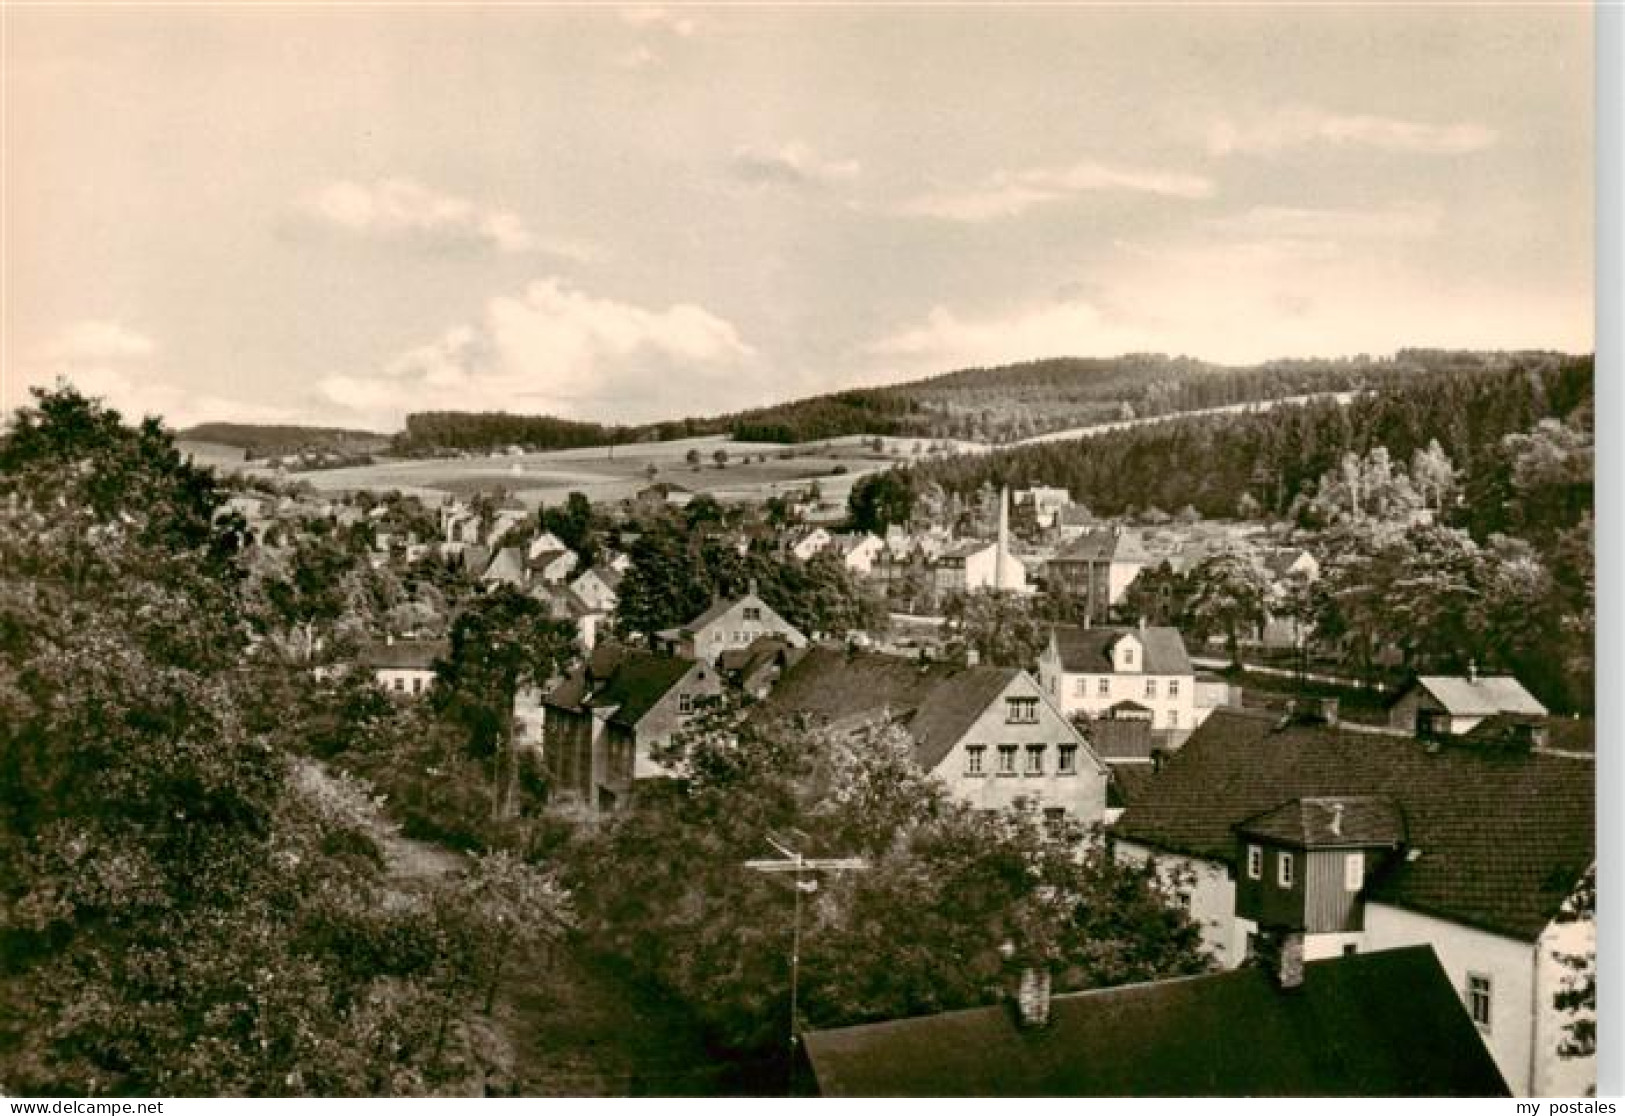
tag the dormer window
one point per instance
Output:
(1255, 862)
(1128, 656)
(1283, 870)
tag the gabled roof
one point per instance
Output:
(1333, 821)
(608, 575)
(405, 654)
(1480, 696)
(1495, 838)
(936, 702)
(965, 548)
(632, 682)
(1089, 650)
(1104, 544)
(507, 565)
(547, 557)
(1373, 1024)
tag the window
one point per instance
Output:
(1353, 871)
(1173, 718)
(1173, 687)
(1283, 870)
(753, 613)
(1021, 711)
(1105, 687)
(685, 703)
(1350, 948)
(1150, 687)
(1478, 999)
(400, 684)
(1035, 759)
(1007, 759)
(1082, 687)
(1128, 656)
(1068, 759)
(973, 759)
(417, 685)
(1255, 862)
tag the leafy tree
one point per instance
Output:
(881, 499)
(1002, 628)
(1227, 597)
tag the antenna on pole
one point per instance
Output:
(795, 863)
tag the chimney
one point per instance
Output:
(1337, 819)
(1472, 670)
(1142, 623)
(751, 586)
(973, 657)
(1000, 562)
(1032, 998)
(1279, 953)
(1329, 710)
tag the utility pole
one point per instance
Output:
(792, 862)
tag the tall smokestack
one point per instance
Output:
(1001, 561)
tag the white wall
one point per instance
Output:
(1212, 898)
(1509, 964)
(1556, 1076)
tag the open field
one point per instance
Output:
(754, 471)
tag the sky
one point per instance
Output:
(340, 214)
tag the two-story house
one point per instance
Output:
(859, 552)
(1353, 839)
(603, 721)
(599, 588)
(728, 625)
(1098, 567)
(988, 732)
(973, 564)
(1130, 673)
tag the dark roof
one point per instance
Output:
(936, 702)
(1375, 1024)
(1104, 544)
(1127, 738)
(1347, 821)
(1496, 838)
(639, 682)
(405, 654)
(1088, 650)
(1129, 782)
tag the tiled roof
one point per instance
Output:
(507, 565)
(633, 683)
(1130, 781)
(936, 702)
(1088, 650)
(1495, 838)
(1352, 821)
(405, 654)
(966, 548)
(1374, 1024)
(1480, 696)
(1104, 544)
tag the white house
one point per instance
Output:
(859, 552)
(599, 587)
(729, 625)
(1370, 840)
(974, 564)
(809, 542)
(1114, 672)
(404, 667)
(989, 733)
(1436, 704)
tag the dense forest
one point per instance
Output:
(262, 441)
(997, 405)
(1275, 457)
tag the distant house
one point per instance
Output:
(599, 587)
(543, 543)
(1046, 502)
(858, 552)
(1123, 673)
(988, 732)
(728, 625)
(404, 667)
(552, 567)
(974, 564)
(1376, 1025)
(1073, 521)
(809, 541)
(754, 670)
(505, 520)
(507, 567)
(1371, 840)
(1098, 567)
(603, 721)
(1442, 704)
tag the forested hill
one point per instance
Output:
(1211, 463)
(262, 440)
(997, 405)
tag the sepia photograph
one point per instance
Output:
(570, 550)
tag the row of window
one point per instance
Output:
(1103, 687)
(1021, 710)
(1285, 868)
(400, 685)
(1008, 755)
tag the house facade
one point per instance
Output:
(1370, 840)
(729, 625)
(1097, 568)
(973, 564)
(599, 588)
(604, 720)
(404, 668)
(1107, 672)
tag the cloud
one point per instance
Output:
(559, 350)
(98, 341)
(659, 19)
(399, 210)
(1010, 194)
(794, 164)
(112, 362)
(1304, 126)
